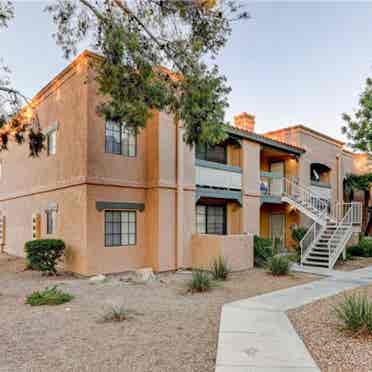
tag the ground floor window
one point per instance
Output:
(211, 219)
(120, 228)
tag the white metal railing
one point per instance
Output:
(341, 235)
(305, 197)
(339, 210)
(309, 238)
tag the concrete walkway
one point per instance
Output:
(256, 335)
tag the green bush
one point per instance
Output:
(220, 269)
(355, 314)
(200, 281)
(263, 250)
(298, 234)
(355, 250)
(366, 246)
(44, 254)
(363, 249)
(48, 296)
(279, 265)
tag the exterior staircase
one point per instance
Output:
(333, 226)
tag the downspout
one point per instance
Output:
(179, 192)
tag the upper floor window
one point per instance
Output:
(120, 140)
(52, 142)
(217, 153)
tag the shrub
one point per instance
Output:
(298, 234)
(49, 296)
(278, 265)
(355, 250)
(200, 281)
(355, 314)
(365, 245)
(44, 254)
(263, 250)
(116, 313)
(363, 249)
(220, 269)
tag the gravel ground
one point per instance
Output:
(172, 331)
(333, 350)
(354, 263)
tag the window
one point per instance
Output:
(51, 221)
(52, 142)
(120, 228)
(215, 153)
(129, 142)
(211, 219)
(120, 140)
(113, 137)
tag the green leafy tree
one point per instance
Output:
(359, 128)
(154, 53)
(353, 183)
(154, 58)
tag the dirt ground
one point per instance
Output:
(172, 331)
(353, 263)
(333, 350)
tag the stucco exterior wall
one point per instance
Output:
(71, 223)
(65, 104)
(236, 249)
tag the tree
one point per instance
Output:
(17, 116)
(154, 54)
(352, 183)
(359, 128)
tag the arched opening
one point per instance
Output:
(320, 173)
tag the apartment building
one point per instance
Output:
(122, 202)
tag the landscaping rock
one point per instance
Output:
(144, 275)
(97, 279)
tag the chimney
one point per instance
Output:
(245, 121)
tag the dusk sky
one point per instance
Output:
(291, 63)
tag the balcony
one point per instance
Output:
(271, 187)
(216, 175)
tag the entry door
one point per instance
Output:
(277, 228)
(277, 183)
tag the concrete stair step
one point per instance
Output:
(315, 264)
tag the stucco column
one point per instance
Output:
(180, 197)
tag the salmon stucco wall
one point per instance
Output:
(236, 249)
(70, 223)
(119, 258)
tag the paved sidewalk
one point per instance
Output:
(256, 335)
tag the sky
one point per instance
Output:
(290, 63)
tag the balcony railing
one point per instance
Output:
(324, 190)
(271, 184)
(218, 175)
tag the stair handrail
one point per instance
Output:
(345, 224)
(308, 196)
(308, 239)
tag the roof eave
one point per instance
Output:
(265, 141)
